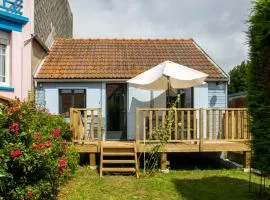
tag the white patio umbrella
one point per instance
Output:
(167, 75)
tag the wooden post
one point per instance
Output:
(220, 125)
(99, 125)
(156, 114)
(101, 159)
(163, 161)
(214, 124)
(239, 133)
(92, 126)
(137, 126)
(150, 124)
(182, 124)
(85, 125)
(163, 119)
(194, 124)
(247, 159)
(71, 123)
(92, 160)
(175, 125)
(245, 130)
(226, 125)
(233, 125)
(188, 125)
(201, 130)
(208, 124)
(144, 126)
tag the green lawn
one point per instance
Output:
(181, 185)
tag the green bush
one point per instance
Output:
(259, 87)
(36, 154)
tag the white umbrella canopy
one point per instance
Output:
(168, 75)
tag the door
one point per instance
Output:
(116, 94)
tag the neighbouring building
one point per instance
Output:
(92, 73)
(27, 28)
(237, 100)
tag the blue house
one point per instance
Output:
(92, 73)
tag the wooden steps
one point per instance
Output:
(118, 157)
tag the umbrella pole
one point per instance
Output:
(168, 91)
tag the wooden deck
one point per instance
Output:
(181, 147)
(193, 130)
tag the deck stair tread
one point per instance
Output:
(127, 163)
(119, 169)
(118, 154)
(119, 161)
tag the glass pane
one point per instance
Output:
(66, 91)
(78, 91)
(79, 100)
(2, 63)
(65, 103)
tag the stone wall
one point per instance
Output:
(52, 18)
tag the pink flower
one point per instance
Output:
(16, 153)
(63, 164)
(47, 144)
(64, 142)
(36, 136)
(35, 146)
(14, 128)
(29, 193)
(56, 132)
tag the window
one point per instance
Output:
(2, 63)
(4, 57)
(71, 98)
(185, 97)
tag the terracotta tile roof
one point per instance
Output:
(120, 58)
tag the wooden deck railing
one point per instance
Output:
(193, 124)
(85, 124)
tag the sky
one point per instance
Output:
(218, 26)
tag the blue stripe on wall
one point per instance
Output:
(6, 88)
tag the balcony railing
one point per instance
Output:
(12, 6)
(191, 124)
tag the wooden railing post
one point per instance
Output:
(85, 125)
(201, 130)
(99, 125)
(226, 125)
(71, 121)
(150, 124)
(194, 124)
(137, 127)
(175, 124)
(92, 135)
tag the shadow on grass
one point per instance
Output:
(190, 161)
(216, 187)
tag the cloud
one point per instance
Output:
(218, 26)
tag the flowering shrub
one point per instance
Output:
(35, 152)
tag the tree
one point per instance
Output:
(259, 83)
(238, 78)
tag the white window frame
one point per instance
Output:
(5, 39)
